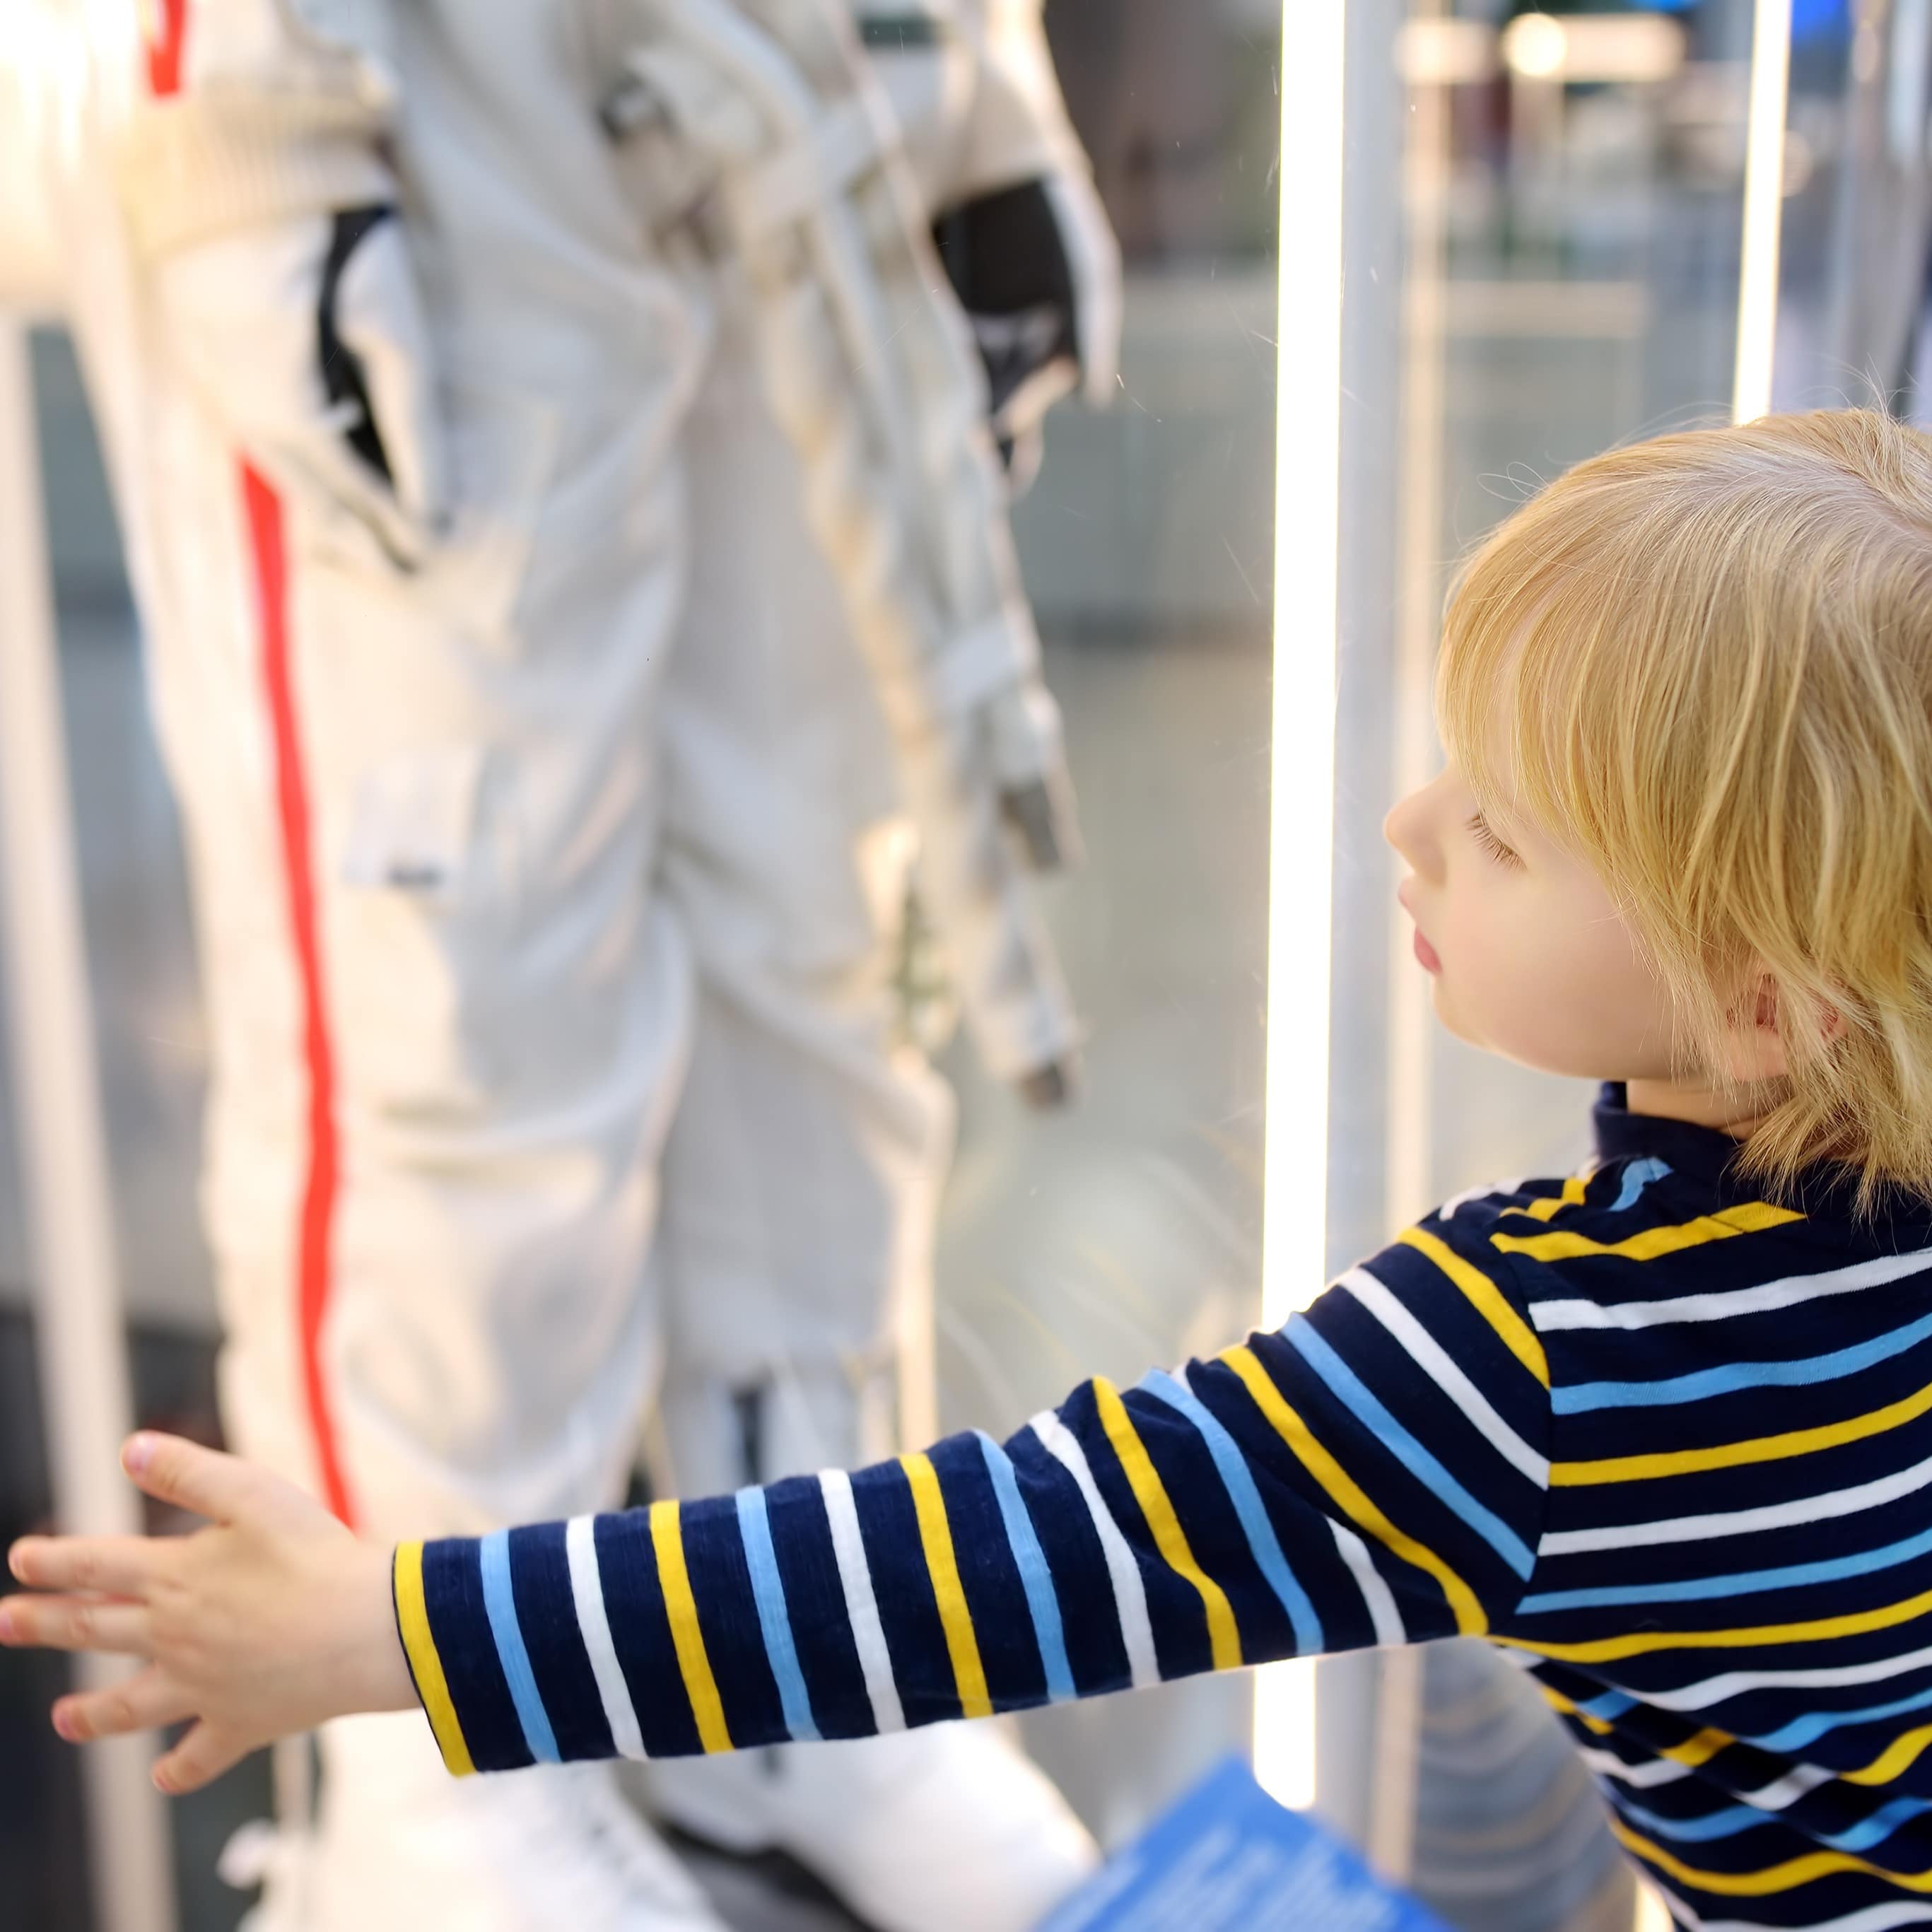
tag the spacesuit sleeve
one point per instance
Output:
(1021, 165)
(241, 112)
(1373, 1473)
(30, 260)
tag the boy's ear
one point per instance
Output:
(1828, 1021)
(1757, 1049)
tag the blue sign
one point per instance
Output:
(1227, 1858)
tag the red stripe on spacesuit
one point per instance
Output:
(165, 46)
(315, 1242)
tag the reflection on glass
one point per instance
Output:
(1129, 1232)
(1570, 228)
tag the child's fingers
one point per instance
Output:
(202, 1756)
(203, 1481)
(144, 1703)
(116, 1566)
(75, 1623)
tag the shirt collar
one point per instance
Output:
(1825, 1192)
(1685, 1148)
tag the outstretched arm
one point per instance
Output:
(1374, 1473)
(271, 1619)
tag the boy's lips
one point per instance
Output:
(1430, 959)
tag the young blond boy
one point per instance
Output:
(1662, 1430)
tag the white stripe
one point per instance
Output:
(1785, 1292)
(861, 1606)
(1376, 1594)
(1735, 1683)
(1447, 1212)
(1867, 1918)
(1130, 1591)
(1645, 1777)
(1739, 1522)
(1429, 1355)
(586, 1592)
(1784, 1792)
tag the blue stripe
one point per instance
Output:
(1246, 1498)
(1611, 1704)
(754, 1528)
(499, 1603)
(1697, 1589)
(1734, 1818)
(1637, 1177)
(1876, 1829)
(1725, 1824)
(1803, 1731)
(1036, 1579)
(1343, 1381)
(1734, 1376)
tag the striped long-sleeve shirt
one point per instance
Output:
(1666, 1442)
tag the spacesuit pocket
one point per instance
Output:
(430, 880)
(501, 448)
(412, 823)
(502, 454)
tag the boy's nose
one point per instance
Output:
(1402, 828)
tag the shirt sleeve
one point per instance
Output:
(1373, 1473)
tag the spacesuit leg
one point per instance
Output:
(448, 1026)
(447, 1015)
(802, 1171)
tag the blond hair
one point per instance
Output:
(1704, 665)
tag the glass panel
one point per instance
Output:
(1543, 229)
(1559, 246)
(1126, 1232)
(1122, 1232)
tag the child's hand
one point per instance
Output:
(271, 1619)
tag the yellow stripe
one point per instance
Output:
(1785, 1877)
(425, 1664)
(1902, 1751)
(1651, 1243)
(1490, 1301)
(1558, 1702)
(1699, 1750)
(699, 1686)
(936, 1538)
(1894, 1759)
(1572, 1196)
(1470, 1620)
(1729, 1455)
(1606, 1649)
(1224, 1636)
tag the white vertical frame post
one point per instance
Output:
(1408, 1136)
(81, 1346)
(1764, 209)
(1308, 421)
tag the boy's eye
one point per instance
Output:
(1479, 830)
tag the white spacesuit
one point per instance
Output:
(576, 597)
